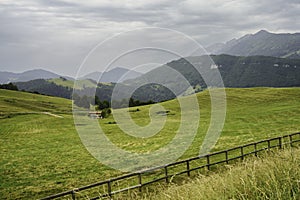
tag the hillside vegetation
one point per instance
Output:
(42, 154)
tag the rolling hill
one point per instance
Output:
(236, 71)
(80, 84)
(14, 103)
(42, 86)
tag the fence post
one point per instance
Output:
(140, 181)
(269, 146)
(255, 149)
(109, 189)
(280, 143)
(226, 156)
(208, 163)
(291, 140)
(188, 168)
(242, 153)
(166, 174)
(73, 194)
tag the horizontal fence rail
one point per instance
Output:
(187, 166)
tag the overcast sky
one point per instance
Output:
(57, 34)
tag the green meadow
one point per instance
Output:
(42, 154)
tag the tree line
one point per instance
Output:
(9, 86)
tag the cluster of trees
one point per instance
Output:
(104, 106)
(101, 105)
(105, 112)
(85, 101)
(130, 103)
(133, 103)
(9, 86)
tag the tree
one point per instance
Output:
(101, 104)
(106, 112)
(97, 100)
(9, 86)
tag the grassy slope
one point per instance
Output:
(252, 114)
(42, 154)
(21, 102)
(269, 177)
(69, 83)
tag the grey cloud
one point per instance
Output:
(53, 32)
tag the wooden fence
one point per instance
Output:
(166, 172)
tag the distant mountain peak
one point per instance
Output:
(285, 45)
(262, 32)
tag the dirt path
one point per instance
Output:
(51, 114)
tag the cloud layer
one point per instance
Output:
(57, 34)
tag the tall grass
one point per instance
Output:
(274, 175)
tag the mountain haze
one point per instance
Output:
(114, 75)
(6, 77)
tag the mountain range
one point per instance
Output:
(262, 59)
(236, 71)
(6, 77)
(284, 45)
(114, 75)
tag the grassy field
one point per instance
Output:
(275, 176)
(42, 154)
